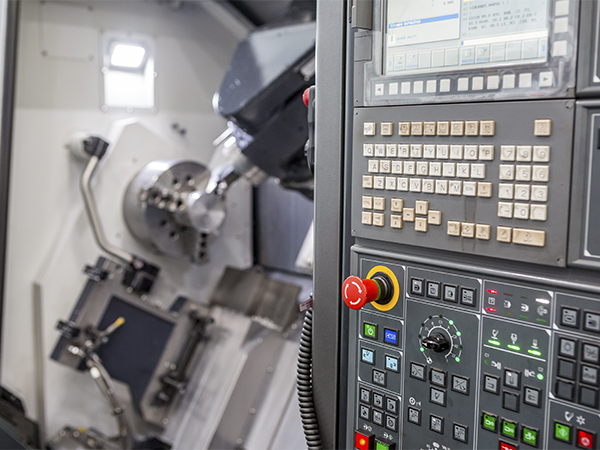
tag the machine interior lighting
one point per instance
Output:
(127, 55)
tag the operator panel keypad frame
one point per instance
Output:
(490, 186)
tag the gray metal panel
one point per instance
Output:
(514, 123)
(588, 63)
(331, 20)
(584, 238)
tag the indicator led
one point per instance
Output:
(514, 347)
(534, 352)
(492, 291)
(458, 333)
(491, 310)
(540, 376)
(493, 342)
(457, 359)
(422, 349)
(545, 301)
(451, 322)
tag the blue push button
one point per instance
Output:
(390, 336)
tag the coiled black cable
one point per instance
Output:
(305, 386)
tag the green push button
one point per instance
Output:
(529, 436)
(384, 444)
(370, 330)
(509, 429)
(381, 446)
(488, 422)
(562, 432)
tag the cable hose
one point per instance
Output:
(305, 386)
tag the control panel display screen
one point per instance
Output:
(423, 36)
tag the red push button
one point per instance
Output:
(506, 446)
(585, 439)
(363, 440)
(357, 292)
(306, 96)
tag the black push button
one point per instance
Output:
(416, 286)
(565, 390)
(568, 348)
(491, 384)
(533, 396)
(460, 433)
(433, 289)
(391, 405)
(437, 377)
(378, 417)
(569, 317)
(377, 400)
(450, 293)
(414, 415)
(365, 395)
(510, 401)
(391, 422)
(365, 412)
(417, 371)
(436, 423)
(588, 396)
(566, 369)
(467, 296)
(512, 379)
(590, 353)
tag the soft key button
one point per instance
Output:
(457, 128)
(443, 128)
(429, 128)
(416, 128)
(386, 128)
(369, 129)
(487, 127)
(404, 128)
(472, 127)
(536, 238)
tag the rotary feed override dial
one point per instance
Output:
(439, 335)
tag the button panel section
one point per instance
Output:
(439, 370)
(514, 381)
(499, 188)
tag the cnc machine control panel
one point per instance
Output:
(473, 281)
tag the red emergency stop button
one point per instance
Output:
(357, 292)
(306, 96)
(585, 439)
(363, 440)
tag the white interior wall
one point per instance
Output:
(59, 91)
